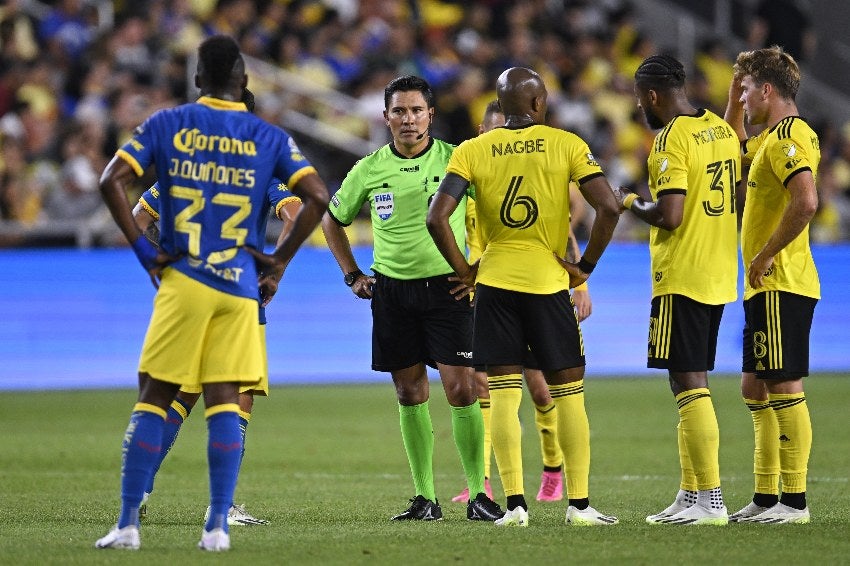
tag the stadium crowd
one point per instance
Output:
(76, 76)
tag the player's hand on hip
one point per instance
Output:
(759, 267)
(577, 276)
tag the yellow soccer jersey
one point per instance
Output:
(521, 179)
(698, 156)
(473, 240)
(776, 155)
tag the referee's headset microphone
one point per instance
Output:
(428, 127)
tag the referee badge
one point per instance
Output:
(383, 205)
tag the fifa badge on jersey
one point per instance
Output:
(384, 205)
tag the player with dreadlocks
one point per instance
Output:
(694, 168)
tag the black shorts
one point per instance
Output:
(682, 334)
(419, 321)
(776, 334)
(509, 325)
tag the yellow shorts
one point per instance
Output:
(261, 388)
(200, 335)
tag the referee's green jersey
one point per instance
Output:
(399, 191)
(698, 156)
(776, 155)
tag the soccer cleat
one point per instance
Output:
(463, 496)
(551, 486)
(215, 540)
(516, 517)
(143, 508)
(697, 515)
(780, 514)
(420, 509)
(680, 504)
(126, 538)
(482, 508)
(237, 516)
(751, 510)
(588, 517)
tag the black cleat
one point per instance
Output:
(482, 508)
(421, 509)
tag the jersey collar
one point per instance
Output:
(219, 104)
(420, 154)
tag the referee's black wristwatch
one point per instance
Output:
(350, 278)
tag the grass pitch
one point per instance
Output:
(326, 466)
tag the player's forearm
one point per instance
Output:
(649, 212)
(734, 114)
(308, 218)
(113, 189)
(444, 239)
(799, 212)
(441, 209)
(600, 234)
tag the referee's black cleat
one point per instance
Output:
(421, 509)
(482, 508)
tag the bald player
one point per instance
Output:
(522, 173)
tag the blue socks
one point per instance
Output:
(140, 453)
(224, 451)
(177, 413)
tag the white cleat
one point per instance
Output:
(780, 514)
(215, 540)
(697, 515)
(588, 517)
(516, 517)
(680, 504)
(751, 510)
(238, 516)
(126, 538)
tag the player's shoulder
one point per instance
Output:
(793, 127)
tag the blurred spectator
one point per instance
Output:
(785, 23)
(74, 66)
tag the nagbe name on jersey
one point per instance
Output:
(520, 146)
(713, 134)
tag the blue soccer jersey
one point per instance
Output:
(277, 195)
(215, 164)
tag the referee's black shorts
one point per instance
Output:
(776, 334)
(419, 320)
(682, 334)
(510, 324)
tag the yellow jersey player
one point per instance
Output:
(781, 287)
(545, 417)
(694, 170)
(521, 173)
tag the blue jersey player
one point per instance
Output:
(214, 161)
(146, 212)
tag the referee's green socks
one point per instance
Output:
(417, 433)
(468, 432)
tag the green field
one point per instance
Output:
(326, 466)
